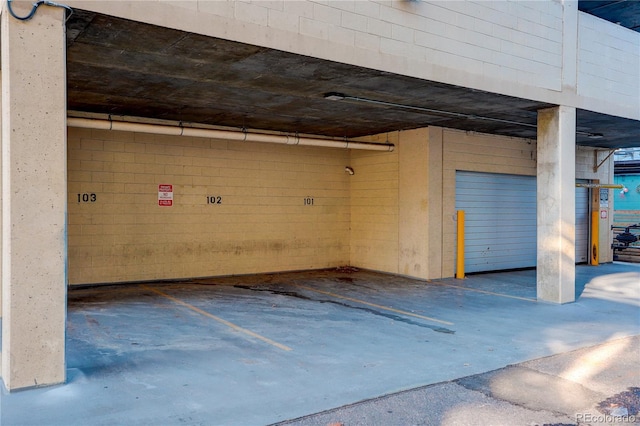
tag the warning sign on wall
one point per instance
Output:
(165, 195)
(604, 197)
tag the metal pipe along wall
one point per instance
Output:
(161, 129)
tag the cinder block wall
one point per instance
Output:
(392, 207)
(118, 232)
(375, 208)
(263, 222)
(608, 62)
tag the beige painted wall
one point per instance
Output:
(261, 225)
(413, 195)
(396, 214)
(375, 208)
(396, 205)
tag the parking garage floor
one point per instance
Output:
(261, 349)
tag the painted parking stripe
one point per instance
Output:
(385, 308)
(528, 299)
(220, 320)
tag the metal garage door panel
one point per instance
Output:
(582, 224)
(500, 226)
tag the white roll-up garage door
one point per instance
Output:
(500, 224)
(500, 227)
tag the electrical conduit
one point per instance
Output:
(161, 129)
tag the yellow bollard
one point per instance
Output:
(595, 239)
(460, 255)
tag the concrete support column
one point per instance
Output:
(556, 204)
(34, 197)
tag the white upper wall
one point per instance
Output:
(541, 50)
(608, 63)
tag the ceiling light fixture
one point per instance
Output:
(336, 96)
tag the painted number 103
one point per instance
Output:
(87, 198)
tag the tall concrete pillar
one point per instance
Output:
(34, 198)
(556, 204)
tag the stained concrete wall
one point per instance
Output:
(527, 49)
(260, 223)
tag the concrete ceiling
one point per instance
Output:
(120, 67)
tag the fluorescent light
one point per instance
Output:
(335, 96)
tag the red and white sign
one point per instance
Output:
(603, 214)
(165, 195)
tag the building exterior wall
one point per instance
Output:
(519, 48)
(261, 224)
(608, 63)
(247, 208)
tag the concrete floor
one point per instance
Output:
(588, 386)
(261, 349)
